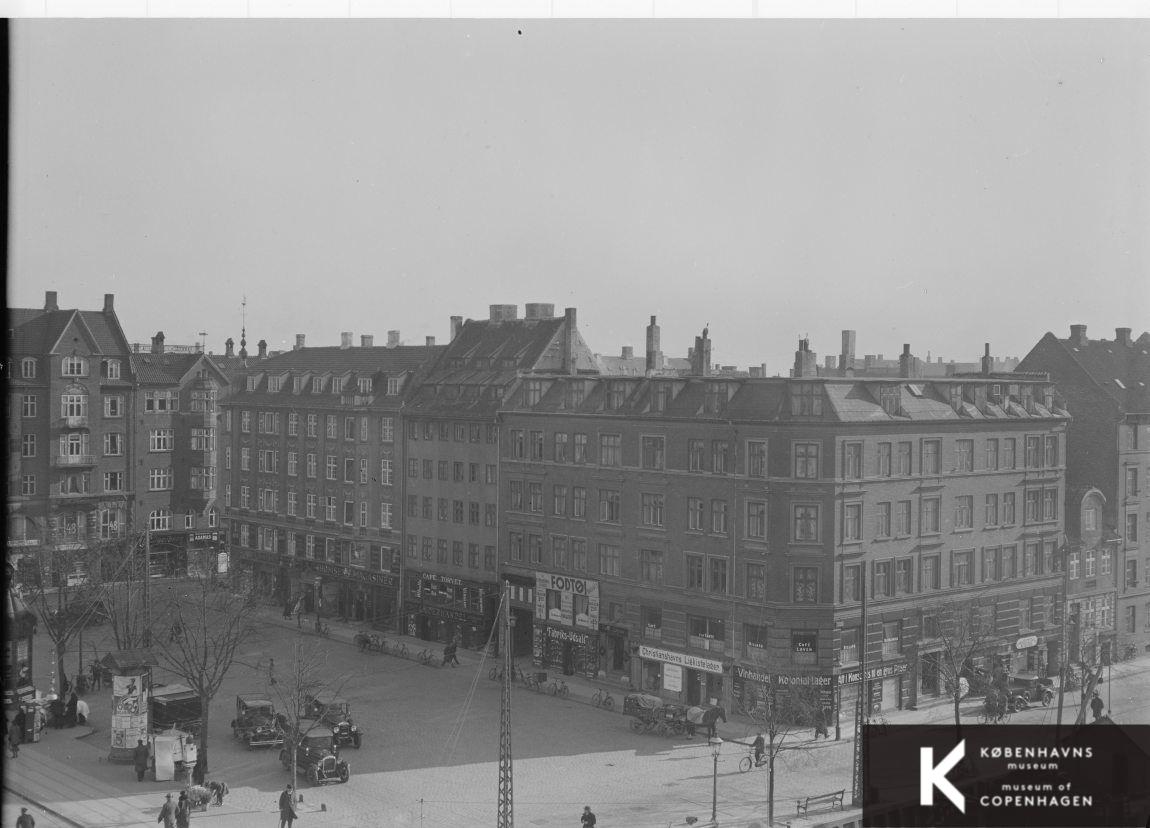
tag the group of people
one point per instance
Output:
(176, 814)
(64, 714)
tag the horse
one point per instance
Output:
(705, 716)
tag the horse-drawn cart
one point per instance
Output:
(649, 714)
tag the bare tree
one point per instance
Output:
(963, 628)
(205, 626)
(779, 715)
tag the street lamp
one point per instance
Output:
(716, 748)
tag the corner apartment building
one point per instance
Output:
(708, 537)
(1106, 384)
(451, 463)
(70, 388)
(311, 478)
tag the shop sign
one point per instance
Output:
(569, 589)
(880, 672)
(782, 679)
(682, 659)
(1026, 642)
(807, 643)
(199, 537)
(554, 634)
(337, 571)
(435, 578)
(673, 678)
(440, 612)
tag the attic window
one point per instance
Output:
(251, 383)
(297, 384)
(1118, 382)
(915, 389)
(275, 383)
(996, 393)
(365, 385)
(616, 393)
(532, 392)
(317, 385)
(393, 385)
(662, 396)
(888, 397)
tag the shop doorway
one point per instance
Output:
(929, 671)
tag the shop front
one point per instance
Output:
(753, 686)
(356, 594)
(443, 608)
(204, 556)
(684, 678)
(885, 685)
(565, 633)
(1029, 655)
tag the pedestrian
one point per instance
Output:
(140, 759)
(760, 747)
(183, 810)
(82, 712)
(449, 656)
(168, 813)
(287, 808)
(1097, 706)
(588, 818)
(821, 724)
(25, 819)
(271, 671)
(70, 711)
(199, 771)
(41, 718)
(14, 737)
(21, 722)
(97, 675)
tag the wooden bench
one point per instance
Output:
(827, 800)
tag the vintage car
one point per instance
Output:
(1026, 688)
(332, 710)
(175, 706)
(315, 757)
(256, 722)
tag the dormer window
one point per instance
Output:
(956, 397)
(394, 384)
(616, 393)
(996, 394)
(715, 397)
(576, 393)
(532, 392)
(251, 383)
(365, 385)
(275, 383)
(297, 384)
(110, 369)
(889, 398)
(661, 397)
(317, 385)
(28, 368)
(806, 400)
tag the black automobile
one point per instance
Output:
(315, 758)
(335, 712)
(256, 722)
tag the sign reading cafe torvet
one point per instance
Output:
(572, 602)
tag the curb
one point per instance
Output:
(55, 814)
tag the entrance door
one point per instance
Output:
(695, 686)
(928, 666)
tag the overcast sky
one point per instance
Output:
(937, 183)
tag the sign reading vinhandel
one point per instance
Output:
(682, 659)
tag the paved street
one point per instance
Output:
(431, 749)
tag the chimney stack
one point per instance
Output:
(806, 360)
(538, 310)
(503, 313)
(299, 338)
(987, 361)
(262, 347)
(109, 303)
(755, 371)
(847, 357)
(158, 343)
(654, 355)
(1078, 335)
(229, 347)
(345, 339)
(701, 361)
(628, 352)
(50, 301)
(393, 339)
(456, 326)
(430, 342)
(569, 331)
(366, 340)
(1122, 336)
(906, 363)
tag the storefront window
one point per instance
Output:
(652, 676)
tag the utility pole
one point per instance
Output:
(506, 815)
(1065, 643)
(147, 586)
(862, 706)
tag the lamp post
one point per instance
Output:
(716, 748)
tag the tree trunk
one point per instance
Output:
(205, 705)
(771, 786)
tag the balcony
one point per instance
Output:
(75, 421)
(713, 645)
(73, 460)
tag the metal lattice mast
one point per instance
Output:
(506, 817)
(862, 708)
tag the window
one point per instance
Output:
(930, 522)
(159, 479)
(311, 466)
(161, 520)
(518, 443)
(535, 497)
(155, 401)
(578, 502)
(444, 509)
(930, 575)
(991, 515)
(1131, 527)
(580, 455)
(992, 455)
(852, 522)
(331, 429)
(719, 449)
(1008, 453)
(349, 428)
(991, 564)
(757, 458)
(806, 524)
(651, 566)
(1033, 505)
(1091, 563)
(1131, 574)
(203, 478)
(884, 459)
(905, 450)
(851, 584)
(610, 505)
(882, 580)
(609, 449)
(964, 455)
(964, 512)
(652, 509)
(756, 520)
(1051, 451)
(1050, 504)
(695, 455)
(1104, 568)
(312, 425)
(28, 368)
(457, 511)
(806, 400)
(28, 445)
(560, 448)
(717, 577)
(74, 366)
(695, 513)
(536, 445)
(559, 500)
(441, 551)
(653, 452)
(805, 580)
(329, 508)
(28, 485)
(74, 405)
(114, 406)
(608, 559)
(806, 460)
(28, 405)
(1008, 509)
(332, 467)
(891, 638)
(719, 517)
(489, 473)
(113, 443)
(203, 439)
(1033, 461)
(695, 572)
(387, 429)
(1132, 482)
(882, 520)
(963, 568)
(113, 481)
(849, 646)
(756, 582)
(441, 468)
(930, 450)
(852, 461)
(516, 492)
(651, 619)
(1073, 564)
(560, 552)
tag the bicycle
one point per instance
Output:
(425, 656)
(399, 649)
(558, 687)
(748, 762)
(603, 698)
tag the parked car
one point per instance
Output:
(315, 758)
(256, 722)
(335, 712)
(175, 706)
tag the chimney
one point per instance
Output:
(299, 342)
(1078, 335)
(905, 362)
(701, 355)
(456, 326)
(538, 310)
(109, 303)
(569, 332)
(847, 356)
(628, 352)
(158, 343)
(806, 361)
(345, 339)
(430, 341)
(50, 301)
(1122, 336)
(987, 361)
(755, 371)
(393, 339)
(503, 313)
(654, 355)
(829, 362)
(262, 345)
(366, 340)
(229, 347)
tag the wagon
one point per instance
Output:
(650, 715)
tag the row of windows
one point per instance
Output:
(353, 512)
(891, 459)
(427, 549)
(445, 470)
(355, 470)
(895, 519)
(446, 431)
(455, 511)
(363, 385)
(72, 366)
(335, 426)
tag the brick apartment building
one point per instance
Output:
(1105, 385)
(708, 537)
(311, 477)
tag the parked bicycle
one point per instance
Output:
(399, 649)
(425, 656)
(558, 687)
(602, 698)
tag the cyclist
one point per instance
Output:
(760, 747)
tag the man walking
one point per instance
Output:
(588, 818)
(140, 759)
(1097, 706)
(287, 808)
(168, 813)
(15, 735)
(25, 819)
(821, 724)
